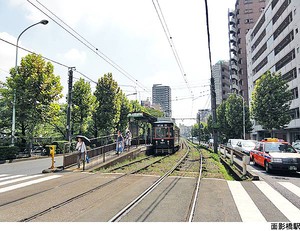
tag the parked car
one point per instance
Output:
(297, 146)
(232, 143)
(272, 153)
(245, 146)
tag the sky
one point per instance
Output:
(130, 34)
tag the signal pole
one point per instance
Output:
(70, 87)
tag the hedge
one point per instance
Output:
(8, 152)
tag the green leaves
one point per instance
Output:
(36, 89)
(230, 118)
(271, 101)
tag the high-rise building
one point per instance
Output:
(222, 80)
(240, 21)
(161, 95)
(273, 44)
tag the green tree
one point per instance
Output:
(107, 113)
(271, 100)
(126, 108)
(36, 88)
(5, 111)
(224, 132)
(234, 117)
(81, 104)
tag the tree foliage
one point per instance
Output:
(82, 103)
(271, 102)
(230, 118)
(107, 113)
(36, 88)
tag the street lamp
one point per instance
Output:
(43, 22)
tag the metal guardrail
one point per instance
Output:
(70, 159)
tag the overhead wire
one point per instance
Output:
(89, 45)
(171, 42)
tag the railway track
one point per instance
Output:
(139, 168)
(145, 193)
(72, 199)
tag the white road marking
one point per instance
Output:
(293, 188)
(246, 207)
(286, 207)
(21, 185)
(2, 175)
(19, 179)
(10, 177)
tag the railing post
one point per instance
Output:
(231, 156)
(224, 152)
(246, 161)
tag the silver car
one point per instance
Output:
(245, 146)
(232, 143)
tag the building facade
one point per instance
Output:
(161, 95)
(222, 80)
(274, 44)
(240, 21)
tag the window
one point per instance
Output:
(248, 11)
(295, 113)
(283, 25)
(295, 93)
(248, 1)
(290, 75)
(285, 60)
(284, 42)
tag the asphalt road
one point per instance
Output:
(79, 196)
(29, 166)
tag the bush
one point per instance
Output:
(8, 152)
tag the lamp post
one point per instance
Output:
(44, 22)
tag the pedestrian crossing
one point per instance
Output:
(248, 201)
(250, 212)
(10, 182)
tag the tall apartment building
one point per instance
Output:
(161, 95)
(222, 80)
(274, 44)
(240, 21)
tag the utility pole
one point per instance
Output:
(212, 86)
(70, 87)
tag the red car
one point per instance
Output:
(275, 154)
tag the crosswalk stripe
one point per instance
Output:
(19, 179)
(2, 175)
(10, 177)
(246, 207)
(286, 207)
(293, 188)
(21, 185)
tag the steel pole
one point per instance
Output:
(13, 126)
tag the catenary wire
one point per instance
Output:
(171, 42)
(89, 46)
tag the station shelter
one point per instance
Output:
(140, 125)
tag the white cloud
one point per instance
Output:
(8, 54)
(73, 56)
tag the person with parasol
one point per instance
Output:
(82, 141)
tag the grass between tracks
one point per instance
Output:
(212, 168)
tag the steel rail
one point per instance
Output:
(196, 192)
(50, 209)
(139, 198)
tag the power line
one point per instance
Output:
(89, 45)
(171, 42)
